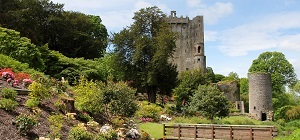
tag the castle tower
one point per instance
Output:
(260, 96)
(191, 36)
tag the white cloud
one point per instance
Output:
(193, 3)
(210, 36)
(261, 35)
(212, 13)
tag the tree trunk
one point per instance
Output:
(151, 94)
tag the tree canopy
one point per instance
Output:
(144, 50)
(281, 70)
(71, 33)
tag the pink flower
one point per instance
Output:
(8, 80)
(14, 84)
(28, 81)
(16, 81)
(4, 74)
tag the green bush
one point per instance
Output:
(293, 113)
(8, 104)
(38, 91)
(56, 123)
(89, 96)
(149, 110)
(79, 133)
(25, 123)
(111, 135)
(32, 102)
(9, 93)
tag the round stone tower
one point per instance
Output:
(260, 96)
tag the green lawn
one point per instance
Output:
(154, 129)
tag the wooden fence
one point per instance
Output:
(227, 132)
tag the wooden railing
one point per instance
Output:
(227, 132)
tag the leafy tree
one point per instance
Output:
(72, 33)
(209, 102)
(188, 83)
(244, 86)
(144, 49)
(219, 77)
(20, 48)
(210, 75)
(281, 70)
(231, 76)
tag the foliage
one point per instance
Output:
(79, 133)
(43, 21)
(209, 102)
(9, 62)
(188, 83)
(280, 112)
(89, 96)
(210, 75)
(149, 110)
(32, 102)
(56, 123)
(119, 99)
(25, 123)
(38, 91)
(8, 93)
(281, 70)
(84, 116)
(244, 86)
(144, 50)
(59, 103)
(219, 77)
(231, 76)
(293, 113)
(294, 136)
(191, 120)
(8, 104)
(20, 48)
(111, 135)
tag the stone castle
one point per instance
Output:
(189, 53)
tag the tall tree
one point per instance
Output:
(72, 33)
(144, 49)
(281, 70)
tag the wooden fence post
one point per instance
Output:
(179, 132)
(164, 129)
(231, 135)
(213, 132)
(195, 127)
(251, 134)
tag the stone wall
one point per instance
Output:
(260, 96)
(231, 90)
(191, 33)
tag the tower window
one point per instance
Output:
(198, 59)
(186, 68)
(199, 49)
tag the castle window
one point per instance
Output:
(186, 68)
(198, 59)
(199, 48)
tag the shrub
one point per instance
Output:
(60, 105)
(89, 95)
(111, 135)
(293, 113)
(145, 136)
(38, 91)
(149, 110)
(9, 93)
(79, 133)
(25, 123)
(120, 99)
(84, 116)
(32, 102)
(8, 104)
(56, 123)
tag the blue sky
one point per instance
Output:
(236, 31)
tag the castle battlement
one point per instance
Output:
(189, 53)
